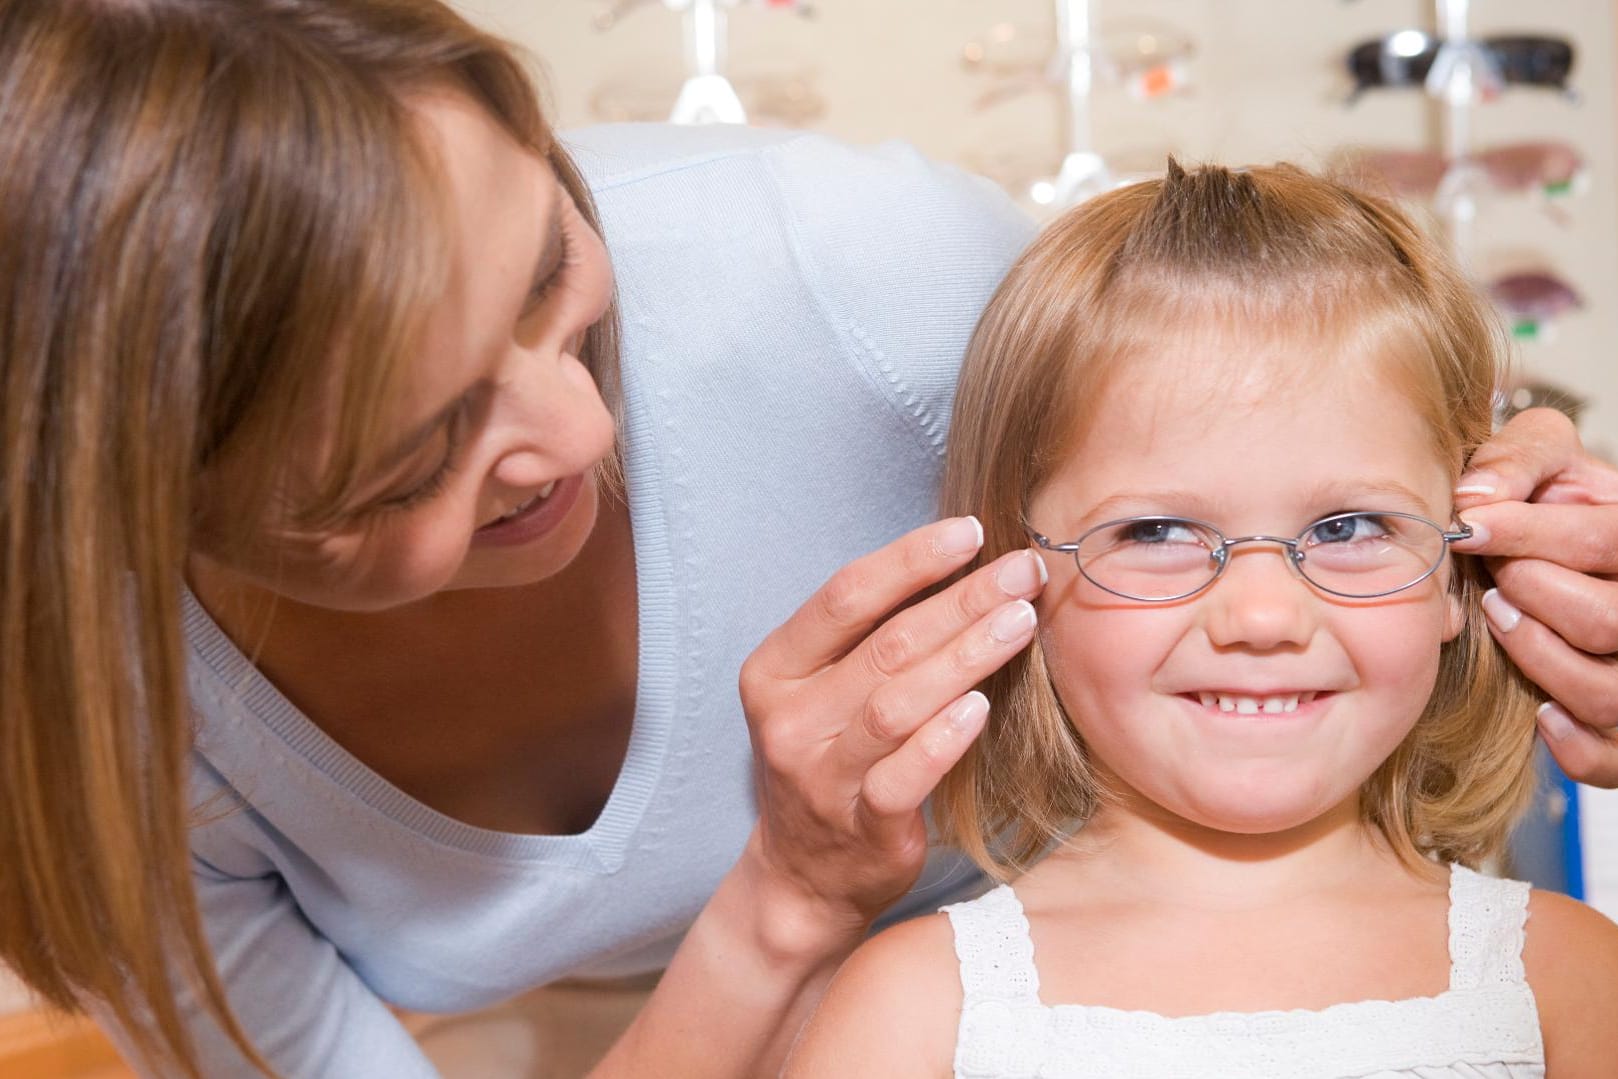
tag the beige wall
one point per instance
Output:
(1267, 84)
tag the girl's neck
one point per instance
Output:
(1146, 854)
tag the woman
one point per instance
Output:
(316, 540)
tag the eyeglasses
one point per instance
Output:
(1359, 555)
(1552, 168)
(1405, 58)
(1532, 301)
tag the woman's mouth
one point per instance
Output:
(533, 517)
(523, 507)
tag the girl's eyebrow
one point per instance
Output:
(1196, 503)
(1353, 490)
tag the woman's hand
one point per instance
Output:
(856, 712)
(1545, 513)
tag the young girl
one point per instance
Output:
(1229, 409)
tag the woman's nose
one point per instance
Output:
(556, 426)
(1260, 601)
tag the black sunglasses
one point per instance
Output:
(1404, 58)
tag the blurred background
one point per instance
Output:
(1496, 120)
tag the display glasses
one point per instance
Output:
(1552, 168)
(1405, 57)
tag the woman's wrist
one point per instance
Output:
(791, 924)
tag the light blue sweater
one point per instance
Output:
(794, 311)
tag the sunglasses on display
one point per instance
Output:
(1406, 58)
(1532, 300)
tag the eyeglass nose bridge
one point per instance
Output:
(1220, 555)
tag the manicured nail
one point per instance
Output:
(1014, 622)
(969, 712)
(1044, 573)
(1019, 574)
(1554, 721)
(1477, 483)
(962, 536)
(1479, 536)
(1504, 616)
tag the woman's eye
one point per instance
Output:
(423, 490)
(543, 289)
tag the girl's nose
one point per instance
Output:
(1260, 601)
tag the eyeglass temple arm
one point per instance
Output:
(1041, 540)
(1465, 532)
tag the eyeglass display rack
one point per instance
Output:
(1569, 842)
(707, 96)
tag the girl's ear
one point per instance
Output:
(1454, 615)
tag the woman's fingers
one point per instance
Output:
(845, 609)
(895, 708)
(1579, 536)
(896, 786)
(1581, 609)
(1532, 449)
(1585, 685)
(1584, 752)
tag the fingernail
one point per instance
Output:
(1014, 622)
(1479, 536)
(1020, 574)
(1554, 721)
(1477, 483)
(1504, 616)
(1044, 573)
(969, 712)
(962, 536)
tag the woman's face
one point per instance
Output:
(489, 478)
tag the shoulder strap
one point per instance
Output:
(1486, 920)
(994, 948)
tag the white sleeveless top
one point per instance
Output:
(1484, 1026)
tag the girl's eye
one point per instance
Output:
(1158, 531)
(1354, 527)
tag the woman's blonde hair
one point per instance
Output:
(217, 218)
(1292, 258)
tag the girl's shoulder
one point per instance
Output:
(1570, 957)
(891, 1010)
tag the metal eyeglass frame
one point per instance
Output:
(1220, 555)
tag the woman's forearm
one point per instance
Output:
(747, 976)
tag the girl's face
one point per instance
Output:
(490, 482)
(1142, 681)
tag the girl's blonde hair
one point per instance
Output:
(217, 218)
(1294, 259)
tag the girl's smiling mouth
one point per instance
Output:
(1253, 703)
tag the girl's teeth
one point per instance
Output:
(1252, 706)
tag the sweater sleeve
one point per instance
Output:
(304, 1008)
